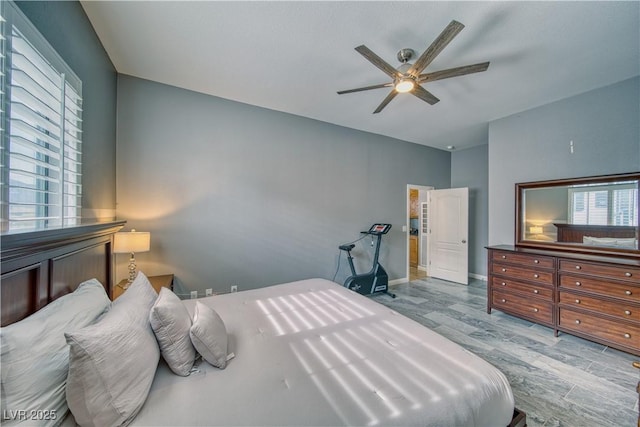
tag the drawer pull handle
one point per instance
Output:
(578, 267)
(503, 284)
(628, 274)
(627, 312)
(503, 300)
(504, 257)
(535, 291)
(504, 269)
(535, 261)
(535, 310)
(577, 321)
(627, 292)
(578, 284)
(536, 275)
(577, 301)
(627, 335)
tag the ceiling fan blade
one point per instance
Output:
(378, 62)
(453, 72)
(385, 101)
(424, 94)
(436, 47)
(360, 89)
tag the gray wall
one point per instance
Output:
(549, 204)
(469, 169)
(67, 28)
(236, 194)
(603, 124)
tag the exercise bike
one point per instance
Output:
(375, 280)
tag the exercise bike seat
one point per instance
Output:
(347, 247)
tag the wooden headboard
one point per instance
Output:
(40, 266)
(576, 232)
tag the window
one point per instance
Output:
(610, 204)
(41, 128)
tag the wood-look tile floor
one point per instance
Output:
(564, 381)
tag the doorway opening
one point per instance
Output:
(417, 231)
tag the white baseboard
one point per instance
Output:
(478, 276)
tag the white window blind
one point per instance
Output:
(611, 204)
(42, 130)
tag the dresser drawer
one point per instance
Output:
(617, 309)
(610, 330)
(626, 291)
(523, 260)
(501, 284)
(617, 272)
(531, 274)
(534, 308)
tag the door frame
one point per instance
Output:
(407, 226)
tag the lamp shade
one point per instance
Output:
(535, 229)
(131, 242)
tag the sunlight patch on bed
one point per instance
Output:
(308, 311)
(437, 351)
(343, 384)
(415, 364)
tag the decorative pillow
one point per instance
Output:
(209, 335)
(170, 321)
(35, 355)
(112, 363)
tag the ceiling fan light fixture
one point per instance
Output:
(404, 85)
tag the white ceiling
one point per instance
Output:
(294, 56)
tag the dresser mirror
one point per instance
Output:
(591, 214)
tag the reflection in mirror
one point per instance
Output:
(592, 213)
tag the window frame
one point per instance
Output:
(12, 17)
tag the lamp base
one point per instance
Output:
(132, 271)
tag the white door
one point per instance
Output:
(449, 226)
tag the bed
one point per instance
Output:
(600, 235)
(303, 353)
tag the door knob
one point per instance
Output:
(464, 241)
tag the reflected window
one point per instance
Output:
(611, 204)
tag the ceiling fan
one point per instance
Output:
(407, 78)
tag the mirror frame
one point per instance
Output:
(570, 247)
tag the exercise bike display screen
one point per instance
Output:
(379, 228)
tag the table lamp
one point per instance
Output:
(131, 242)
(536, 229)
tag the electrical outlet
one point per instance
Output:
(234, 288)
(194, 294)
(208, 292)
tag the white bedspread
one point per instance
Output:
(312, 353)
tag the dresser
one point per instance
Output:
(590, 296)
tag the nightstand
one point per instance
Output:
(158, 282)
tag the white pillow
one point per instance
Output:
(627, 242)
(112, 363)
(171, 322)
(622, 242)
(35, 355)
(604, 241)
(209, 335)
